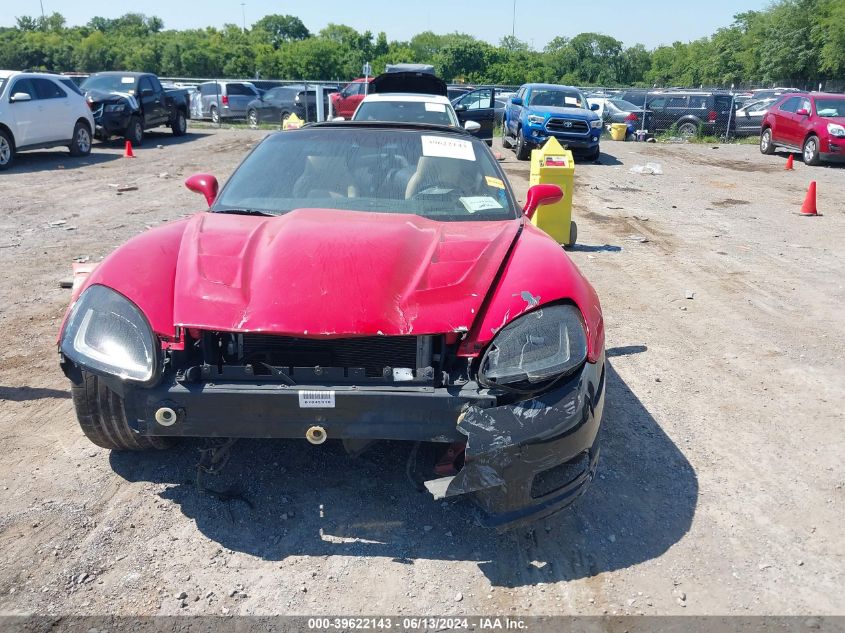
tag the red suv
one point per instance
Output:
(345, 102)
(813, 124)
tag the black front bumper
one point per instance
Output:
(523, 461)
(111, 124)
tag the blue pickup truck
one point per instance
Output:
(540, 111)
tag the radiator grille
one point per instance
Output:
(567, 126)
(372, 353)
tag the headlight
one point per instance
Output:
(106, 332)
(543, 344)
(596, 124)
(834, 129)
(536, 120)
(115, 107)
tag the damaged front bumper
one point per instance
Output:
(522, 461)
(528, 460)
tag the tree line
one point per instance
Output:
(796, 42)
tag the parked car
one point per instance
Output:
(620, 111)
(691, 113)
(357, 282)
(345, 102)
(126, 104)
(221, 100)
(277, 104)
(40, 110)
(479, 105)
(750, 116)
(810, 123)
(456, 92)
(540, 111)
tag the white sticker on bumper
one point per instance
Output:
(316, 399)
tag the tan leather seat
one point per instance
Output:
(442, 172)
(325, 177)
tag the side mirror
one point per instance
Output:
(516, 101)
(460, 108)
(802, 112)
(538, 195)
(594, 107)
(206, 184)
(20, 96)
(472, 126)
(147, 92)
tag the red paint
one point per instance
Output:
(538, 265)
(327, 273)
(792, 129)
(538, 195)
(345, 102)
(206, 184)
(319, 272)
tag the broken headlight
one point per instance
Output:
(539, 346)
(107, 333)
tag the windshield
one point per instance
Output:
(435, 175)
(110, 83)
(406, 112)
(831, 107)
(556, 98)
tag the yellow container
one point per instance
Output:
(293, 122)
(618, 131)
(551, 164)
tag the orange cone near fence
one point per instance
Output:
(789, 162)
(128, 152)
(808, 209)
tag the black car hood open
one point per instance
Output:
(413, 82)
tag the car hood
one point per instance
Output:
(570, 113)
(325, 272)
(103, 96)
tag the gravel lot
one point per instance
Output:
(721, 478)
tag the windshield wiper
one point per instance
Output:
(243, 212)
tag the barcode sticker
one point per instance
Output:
(316, 399)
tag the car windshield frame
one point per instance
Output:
(828, 102)
(581, 102)
(418, 107)
(115, 83)
(370, 168)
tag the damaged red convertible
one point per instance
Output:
(355, 282)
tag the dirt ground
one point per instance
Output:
(721, 476)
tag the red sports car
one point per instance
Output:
(812, 123)
(357, 282)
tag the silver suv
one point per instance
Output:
(222, 100)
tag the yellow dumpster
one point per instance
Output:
(551, 164)
(618, 131)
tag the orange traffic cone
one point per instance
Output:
(128, 152)
(808, 209)
(789, 162)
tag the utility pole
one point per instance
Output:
(243, 14)
(513, 24)
(41, 2)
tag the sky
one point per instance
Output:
(647, 22)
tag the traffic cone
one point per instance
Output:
(808, 209)
(128, 152)
(789, 162)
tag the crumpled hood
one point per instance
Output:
(318, 272)
(102, 96)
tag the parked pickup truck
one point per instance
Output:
(540, 111)
(125, 104)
